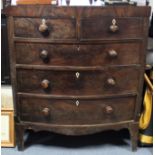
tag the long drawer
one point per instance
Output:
(78, 55)
(76, 111)
(84, 82)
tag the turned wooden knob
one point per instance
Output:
(111, 82)
(109, 109)
(43, 27)
(114, 27)
(45, 84)
(46, 111)
(112, 53)
(44, 55)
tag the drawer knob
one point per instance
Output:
(43, 27)
(109, 109)
(111, 82)
(46, 111)
(77, 74)
(45, 84)
(112, 53)
(113, 27)
(44, 55)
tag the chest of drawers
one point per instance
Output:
(77, 70)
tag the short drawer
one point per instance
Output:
(69, 112)
(88, 82)
(111, 28)
(78, 55)
(45, 28)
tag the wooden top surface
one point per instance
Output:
(66, 11)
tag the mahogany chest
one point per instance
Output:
(77, 70)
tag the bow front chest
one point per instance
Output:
(77, 70)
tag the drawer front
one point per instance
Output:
(110, 81)
(45, 28)
(69, 112)
(111, 28)
(78, 55)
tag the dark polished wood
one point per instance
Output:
(56, 28)
(78, 55)
(53, 11)
(100, 28)
(67, 112)
(77, 70)
(88, 83)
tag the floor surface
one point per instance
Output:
(106, 143)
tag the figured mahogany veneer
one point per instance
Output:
(77, 70)
(78, 55)
(101, 28)
(88, 82)
(56, 28)
(66, 112)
